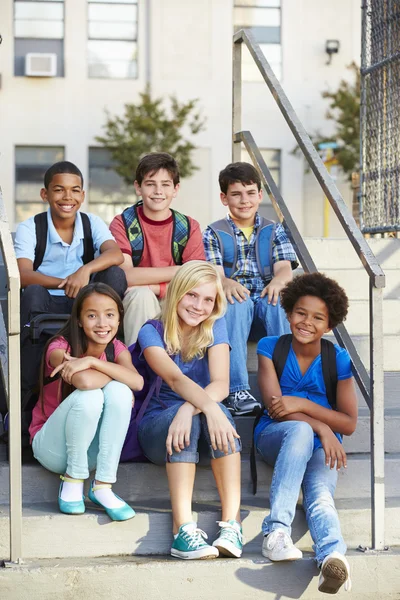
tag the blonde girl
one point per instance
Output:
(192, 359)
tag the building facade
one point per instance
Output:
(100, 54)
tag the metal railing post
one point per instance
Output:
(14, 393)
(236, 100)
(372, 387)
(377, 418)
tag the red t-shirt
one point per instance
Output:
(157, 241)
(50, 391)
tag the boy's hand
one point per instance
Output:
(273, 289)
(334, 452)
(74, 282)
(234, 289)
(281, 406)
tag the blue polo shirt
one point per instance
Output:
(311, 385)
(60, 259)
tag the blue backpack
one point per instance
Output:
(263, 247)
(132, 451)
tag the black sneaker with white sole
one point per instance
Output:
(242, 403)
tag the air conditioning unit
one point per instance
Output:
(40, 65)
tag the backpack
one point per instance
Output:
(131, 451)
(263, 247)
(41, 239)
(134, 233)
(33, 341)
(279, 358)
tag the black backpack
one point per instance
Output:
(41, 239)
(279, 357)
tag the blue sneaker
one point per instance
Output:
(190, 543)
(230, 539)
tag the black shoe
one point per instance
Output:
(242, 403)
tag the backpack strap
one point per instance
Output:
(281, 352)
(88, 246)
(329, 371)
(263, 247)
(180, 235)
(279, 357)
(227, 243)
(134, 232)
(156, 383)
(110, 352)
(41, 239)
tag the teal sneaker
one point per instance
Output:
(230, 539)
(190, 543)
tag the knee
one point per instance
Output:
(118, 393)
(301, 435)
(115, 277)
(89, 403)
(139, 295)
(34, 294)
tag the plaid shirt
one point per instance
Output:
(247, 272)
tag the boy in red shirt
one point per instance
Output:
(155, 240)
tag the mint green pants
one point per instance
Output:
(86, 432)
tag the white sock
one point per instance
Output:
(107, 498)
(71, 492)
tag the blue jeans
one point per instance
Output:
(259, 318)
(153, 433)
(289, 448)
(88, 429)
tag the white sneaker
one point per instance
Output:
(335, 571)
(278, 545)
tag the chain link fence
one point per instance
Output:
(380, 117)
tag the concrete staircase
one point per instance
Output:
(76, 557)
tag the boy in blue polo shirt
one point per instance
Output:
(51, 286)
(255, 259)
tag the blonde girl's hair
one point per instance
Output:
(191, 275)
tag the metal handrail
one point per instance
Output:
(13, 388)
(372, 387)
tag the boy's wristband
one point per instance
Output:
(163, 290)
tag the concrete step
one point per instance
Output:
(356, 282)
(252, 577)
(138, 481)
(334, 253)
(47, 533)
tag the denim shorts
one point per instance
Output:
(153, 433)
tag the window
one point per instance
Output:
(108, 193)
(31, 163)
(112, 38)
(38, 28)
(263, 17)
(272, 158)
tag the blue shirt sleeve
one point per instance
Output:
(266, 346)
(220, 332)
(100, 232)
(149, 336)
(25, 240)
(343, 363)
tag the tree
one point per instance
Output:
(344, 110)
(149, 126)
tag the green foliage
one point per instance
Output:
(344, 110)
(149, 126)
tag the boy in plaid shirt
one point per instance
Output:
(255, 259)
